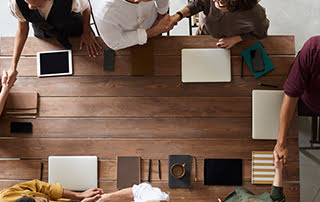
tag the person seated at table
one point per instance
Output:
(38, 191)
(125, 23)
(5, 88)
(229, 21)
(51, 18)
(302, 88)
(276, 195)
(139, 193)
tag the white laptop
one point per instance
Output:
(206, 65)
(76, 173)
(266, 105)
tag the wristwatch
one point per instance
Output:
(180, 14)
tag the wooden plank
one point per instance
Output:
(169, 128)
(171, 45)
(30, 169)
(144, 107)
(163, 65)
(199, 192)
(151, 148)
(151, 86)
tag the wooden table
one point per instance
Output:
(108, 114)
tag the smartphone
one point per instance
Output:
(257, 60)
(109, 59)
(21, 127)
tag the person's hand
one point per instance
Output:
(11, 77)
(91, 193)
(282, 151)
(160, 27)
(278, 163)
(89, 41)
(229, 42)
(92, 199)
(174, 19)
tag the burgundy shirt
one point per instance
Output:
(304, 78)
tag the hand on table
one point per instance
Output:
(91, 193)
(282, 151)
(89, 41)
(229, 42)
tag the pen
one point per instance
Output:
(267, 85)
(195, 168)
(241, 72)
(41, 171)
(149, 174)
(159, 169)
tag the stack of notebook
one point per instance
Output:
(22, 104)
(262, 167)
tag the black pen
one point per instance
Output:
(149, 174)
(159, 169)
(267, 85)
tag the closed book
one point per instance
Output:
(128, 171)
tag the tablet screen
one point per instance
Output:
(54, 63)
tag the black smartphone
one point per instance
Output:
(21, 127)
(108, 59)
(257, 60)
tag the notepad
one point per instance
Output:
(262, 167)
(128, 171)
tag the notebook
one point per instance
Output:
(76, 173)
(262, 167)
(128, 171)
(266, 105)
(223, 172)
(206, 65)
(142, 59)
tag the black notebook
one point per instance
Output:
(222, 171)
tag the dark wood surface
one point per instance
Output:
(111, 113)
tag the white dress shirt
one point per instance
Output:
(123, 24)
(77, 7)
(145, 192)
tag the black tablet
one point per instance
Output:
(54, 63)
(223, 172)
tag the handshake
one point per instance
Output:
(162, 24)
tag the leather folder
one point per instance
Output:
(142, 59)
(22, 100)
(128, 171)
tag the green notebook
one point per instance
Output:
(268, 66)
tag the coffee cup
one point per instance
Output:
(178, 170)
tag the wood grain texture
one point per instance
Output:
(169, 128)
(274, 45)
(30, 169)
(152, 148)
(151, 86)
(163, 65)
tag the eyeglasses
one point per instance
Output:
(221, 3)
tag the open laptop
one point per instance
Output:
(76, 173)
(266, 105)
(206, 65)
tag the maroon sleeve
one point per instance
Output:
(298, 76)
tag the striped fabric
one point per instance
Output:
(262, 167)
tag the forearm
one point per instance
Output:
(86, 20)
(286, 113)
(277, 181)
(19, 41)
(71, 195)
(122, 194)
(3, 96)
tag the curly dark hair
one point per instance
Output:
(238, 5)
(25, 199)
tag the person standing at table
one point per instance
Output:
(302, 88)
(229, 21)
(125, 23)
(51, 18)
